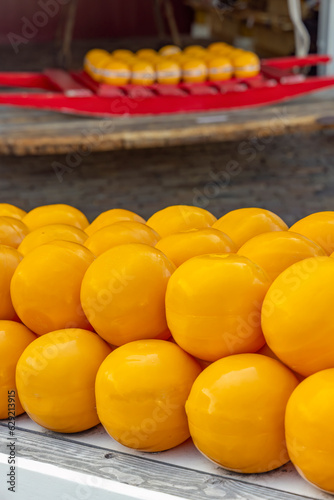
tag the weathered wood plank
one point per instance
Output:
(31, 132)
(145, 473)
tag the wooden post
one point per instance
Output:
(172, 22)
(65, 53)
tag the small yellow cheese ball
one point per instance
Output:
(183, 246)
(9, 260)
(14, 338)
(123, 293)
(116, 73)
(297, 318)
(64, 358)
(110, 217)
(142, 73)
(319, 227)
(92, 57)
(177, 218)
(194, 71)
(141, 390)
(275, 251)
(168, 72)
(309, 429)
(121, 233)
(236, 411)
(220, 68)
(219, 47)
(195, 51)
(12, 231)
(168, 50)
(45, 287)
(8, 210)
(122, 54)
(213, 305)
(246, 65)
(50, 233)
(55, 214)
(96, 66)
(179, 58)
(146, 54)
(245, 223)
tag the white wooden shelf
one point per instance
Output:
(92, 466)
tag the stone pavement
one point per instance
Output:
(290, 175)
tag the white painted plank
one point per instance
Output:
(38, 481)
(284, 479)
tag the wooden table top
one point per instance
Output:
(33, 132)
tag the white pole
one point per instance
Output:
(326, 35)
(302, 37)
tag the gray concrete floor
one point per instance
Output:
(290, 175)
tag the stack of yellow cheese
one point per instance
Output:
(171, 65)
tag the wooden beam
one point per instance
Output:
(65, 53)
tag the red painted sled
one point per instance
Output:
(77, 93)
